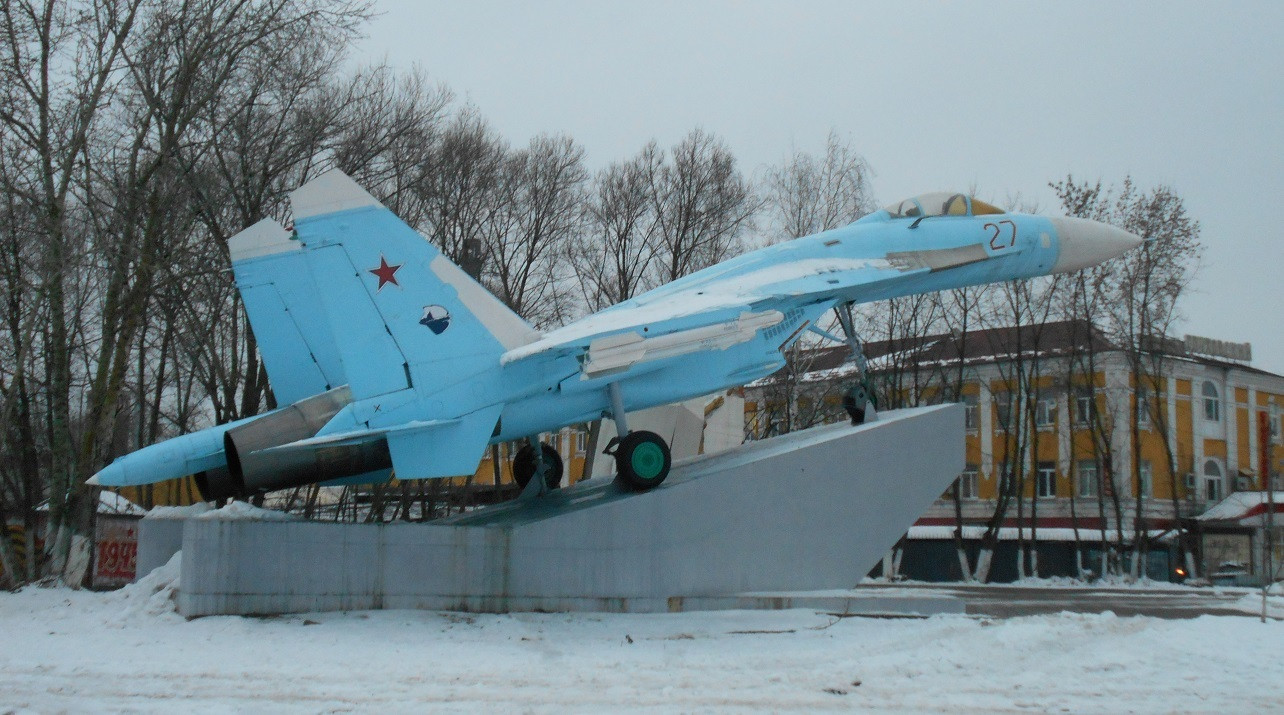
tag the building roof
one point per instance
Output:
(1052, 339)
(1228, 365)
(1247, 508)
(109, 502)
(976, 346)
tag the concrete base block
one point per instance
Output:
(813, 510)
(158, 541)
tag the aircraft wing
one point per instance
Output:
(736, 302)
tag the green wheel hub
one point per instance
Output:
(647, 460)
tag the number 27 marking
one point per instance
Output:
(995, 243)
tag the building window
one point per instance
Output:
(1212, 402)
(1088, 478)
(1083, 400)
(1047, 482)
(1045, 412)
(1003, 411)
(969, 412)
(968, 483)
(1212, 480)
(1007, 485)
(579, 441)
(1143, 408)
(1145, 477)
(1275, 428)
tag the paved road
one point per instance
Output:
(1007, 601)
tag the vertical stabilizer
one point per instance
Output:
(403, 315)
(290, 324)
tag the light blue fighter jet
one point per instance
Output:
(393, 361)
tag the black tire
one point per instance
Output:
(524, 466)
(642, 460)
(855, 399)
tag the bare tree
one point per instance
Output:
(810, 194)
(702, 206)
(543, 189)
(58, 64)
(1143, 289)
(460, 185)
(104, 182)
(614, 255)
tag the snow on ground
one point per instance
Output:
(128, 650)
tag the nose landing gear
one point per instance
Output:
(857, 398)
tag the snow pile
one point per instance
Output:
(245, 510)
(1251, 603)
(179, 512)
(155, 594)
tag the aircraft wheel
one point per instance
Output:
(642, 460)
(524, 466)
(856, 399)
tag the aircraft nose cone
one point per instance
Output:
(110, 475)
(1086, 243)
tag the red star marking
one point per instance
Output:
(387, 274)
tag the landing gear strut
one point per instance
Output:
(642, 459)
(859, 399)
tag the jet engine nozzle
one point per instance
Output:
(254, 467)
(1085, 243)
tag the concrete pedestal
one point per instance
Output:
(808, 511)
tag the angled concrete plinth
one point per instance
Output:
(809, 511)
(158, 541)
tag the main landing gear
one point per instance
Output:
(526, 465)
(642, 459)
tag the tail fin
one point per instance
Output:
(402, 314)
(290, 325)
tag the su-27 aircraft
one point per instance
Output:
(392, 360)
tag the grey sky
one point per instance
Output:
(1001, 96)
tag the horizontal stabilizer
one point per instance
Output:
(442, 449)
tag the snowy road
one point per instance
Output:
(1150, 599)
(77, 651)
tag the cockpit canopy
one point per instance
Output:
(941, 203)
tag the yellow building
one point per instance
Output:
(1058, 424)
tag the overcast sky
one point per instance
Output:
(1001, 96)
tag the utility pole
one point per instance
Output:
(1265, 448)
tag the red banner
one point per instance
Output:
(117, 552)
